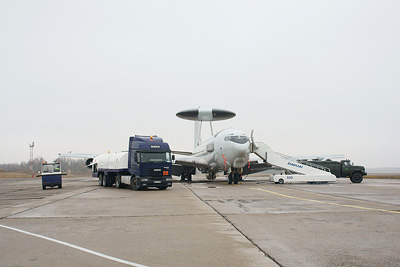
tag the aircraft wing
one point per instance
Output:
(191, 161)
(184, 158)
(254, 167)
(87, 157)
(187, 165)
(182, 153)
(76, 155)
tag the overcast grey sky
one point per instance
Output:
(310, 77)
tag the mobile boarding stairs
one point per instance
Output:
(299, 171)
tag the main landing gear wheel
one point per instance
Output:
(211, 176)
(230, 178)
(186, 176)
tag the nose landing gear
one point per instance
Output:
(234, 177)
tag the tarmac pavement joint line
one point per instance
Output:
(324, 202)
(76, 247)
(268, 256)
(23, 207)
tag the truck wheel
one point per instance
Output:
(106, 180)
(134, 185)
(44, 187)
(281, 181)
(118, 181)
(356, 178)
(101, 179)
(59, 186)
(162, 187)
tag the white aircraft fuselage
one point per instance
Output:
(227, 151)
(229, 148)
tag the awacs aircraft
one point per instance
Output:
(227, 151)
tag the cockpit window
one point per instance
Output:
(240, 139)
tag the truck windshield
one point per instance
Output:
(51, 167)
(155, 157)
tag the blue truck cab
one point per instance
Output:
(149, 162)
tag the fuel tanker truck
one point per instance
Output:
(147, 163)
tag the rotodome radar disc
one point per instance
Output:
(205, 114)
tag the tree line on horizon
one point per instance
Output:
(69, 166)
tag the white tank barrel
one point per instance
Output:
(117, 160)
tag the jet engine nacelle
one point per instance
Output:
(89, 162)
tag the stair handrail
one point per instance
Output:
(310, 164)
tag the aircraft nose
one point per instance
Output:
(241, 156)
